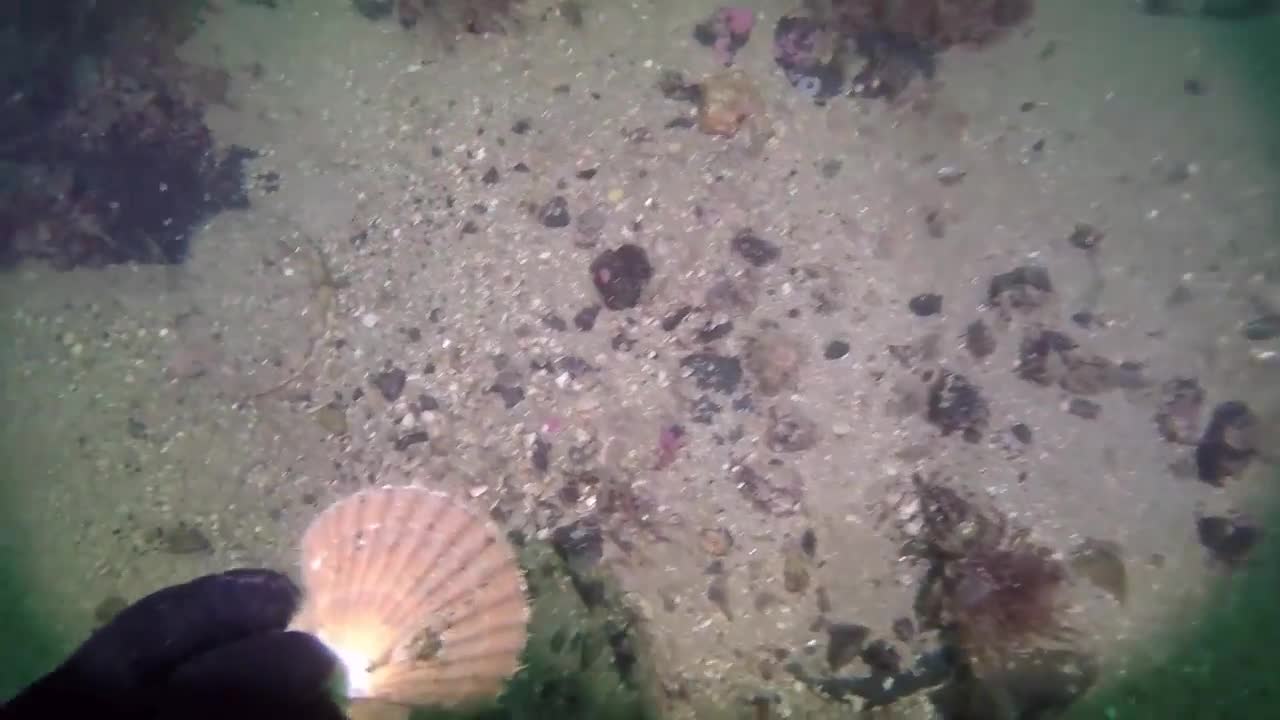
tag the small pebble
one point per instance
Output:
(835, 350)
(925, 304)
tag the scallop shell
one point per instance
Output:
(422, 600)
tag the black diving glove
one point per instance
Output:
(212, 647)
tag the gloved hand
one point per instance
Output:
(212, 647)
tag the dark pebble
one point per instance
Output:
(979, 340)
(1228, 444)
(184, 539)
(1022, 432)
(1037, 353)
(882, 657)
(754, 249)
(809, 542)
(844, 643)
(1017, 285)
(390, 383)
(1084, 408)
(555, 322)
(1084, 319)
(926, 304)
(554, 213)
(427, 403)
(521, 126)
(956, 405)
(719, 373)
(830, 168)
(541, 455)
(621, 276)
(490, 176)
(1266, 327)
(835, 350)
(579, 544)
(1193, 86)
(1228, 540)
(673, 320)
(703, 410)
(511, 394)
(374, 9)
(1085, 236)
(585, 319)
(904, 629)
(136, 428)
(586, 174)
(711, 333)
(408, 440)
(622, 343)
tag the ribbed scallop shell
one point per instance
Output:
(425, 594)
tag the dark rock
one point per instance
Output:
(1022, 432)
(925, 304)
(540, 456)
(790, 431)
(1266, 327)
(521, 126)
(427, 403)
(511, 394)
(718, 595)
(1040, 356)
(621, 276)
(844, 643)
(409, 439)
(809, 543)
(555, 322)
(579, 544)
(778, 492)
(374, 9)
(835, 350)
(672, 85)
(703, 410)
(754, 249)
(1181, 402)
(882, 657)
(904, 629)
(979, 340)
(390, 383)
(1228, 540)
(956, 405)
(622, 343)
(586, 174)
(719, 373)
(183, 539)
(1082, 408)
(1085, 236)
(1022, 288)
(585, 319)
(490, 176)
(711, 333)
(677, 316)
(554, 213)
(1229, 443)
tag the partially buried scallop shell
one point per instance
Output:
(422, 601)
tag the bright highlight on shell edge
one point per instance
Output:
(422, 600)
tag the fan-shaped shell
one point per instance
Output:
(422, 600)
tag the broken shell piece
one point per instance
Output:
(727, 101)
